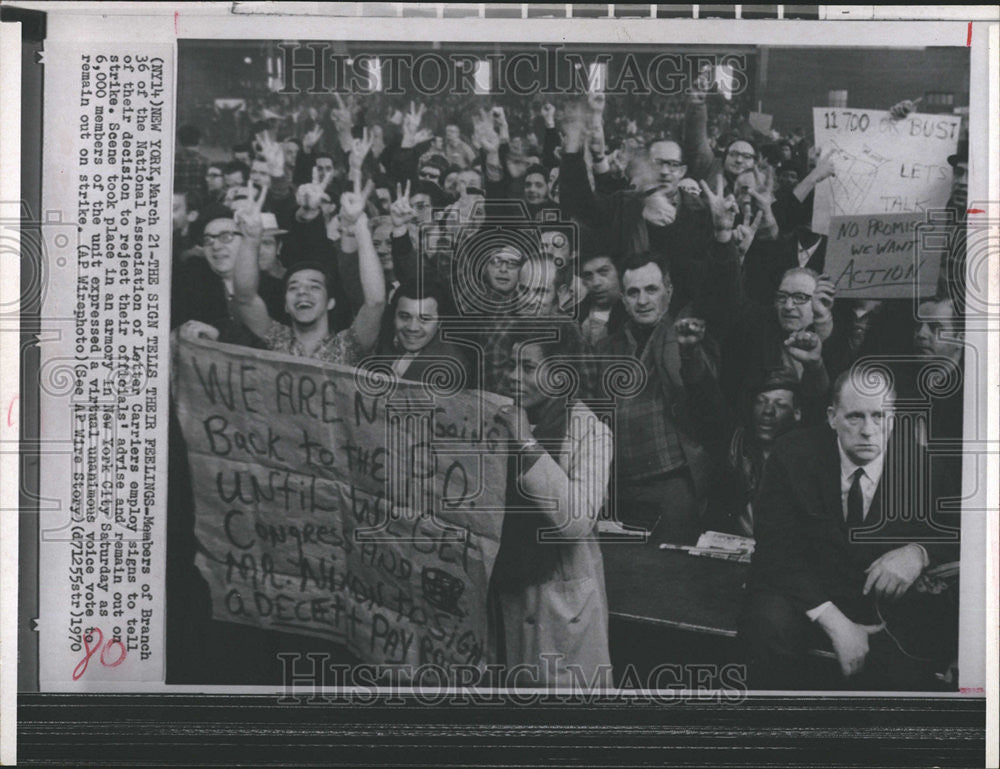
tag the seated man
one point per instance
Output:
(775, 411)
(835, 550)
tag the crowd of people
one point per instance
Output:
(344, 230)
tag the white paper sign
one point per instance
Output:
(883, 166)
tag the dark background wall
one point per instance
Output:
(794, 80)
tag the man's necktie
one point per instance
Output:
(855, 502)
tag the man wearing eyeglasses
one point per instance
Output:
(655, 216)
(738, 156)
(501, 273)
(215, 182)
(785, 336)
(202, 292)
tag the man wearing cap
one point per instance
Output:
(272, 271)
(775, 411)
(951, 281)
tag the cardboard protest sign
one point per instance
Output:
(329, 507)
(883, 166)
(881, 257)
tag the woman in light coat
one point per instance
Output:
(548, 581)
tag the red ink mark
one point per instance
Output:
(10, 410)
(968, 40)
(972, 690)
(975, 211)
(90, 651)
(178, 13)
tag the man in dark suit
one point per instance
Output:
(411, 334)
(836, 550)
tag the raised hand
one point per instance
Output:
(574, 127)
(500, 124)
(658, 210)
(311, 196)
(485, 134)
(548, 111)
(596, 101)
(515, 423)
(194, 330)
(690, 333)
(352, 205)
(701, 86)
(341, 115)
(246, 213)
(273, 153)
(401, 213)
(311, 139)
(722, 207)
(824, 167)
(805, 347)
(597, 146)
(901, 109)
(822, 300)
(359, 151)
(411, 125)
(744, 234)
(622, 156)
(413, 118)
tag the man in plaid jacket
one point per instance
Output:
(663, 433)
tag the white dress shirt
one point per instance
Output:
(871, 475)
(869, 484)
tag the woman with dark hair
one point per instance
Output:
(548, 581)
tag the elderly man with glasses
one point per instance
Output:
(202, 293)
(785, 336)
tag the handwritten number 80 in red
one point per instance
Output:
(106, 656)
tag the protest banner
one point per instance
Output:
(329, 505)
(883, 166)
(882, 257)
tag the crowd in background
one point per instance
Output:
(666, 231)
